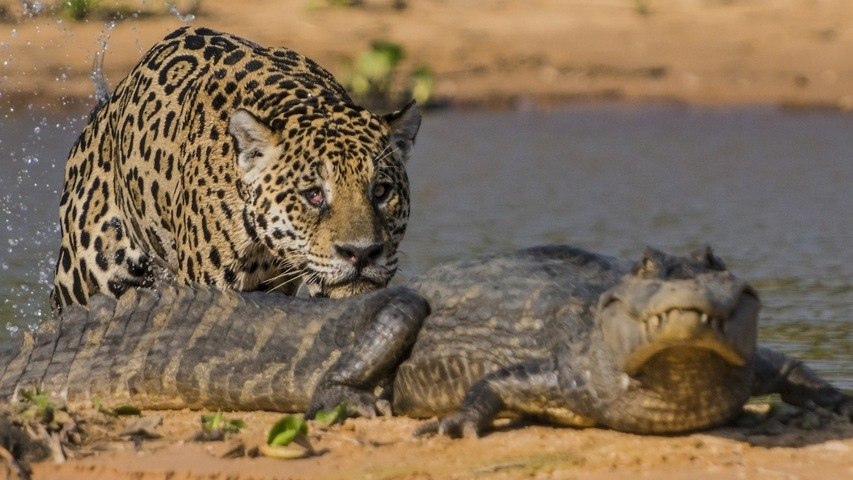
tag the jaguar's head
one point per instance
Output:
(326, 192)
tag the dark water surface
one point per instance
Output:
(770, 191)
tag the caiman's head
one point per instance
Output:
(679, 306)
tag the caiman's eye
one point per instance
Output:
(315, 197)
(380, 192)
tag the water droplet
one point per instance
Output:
(14, 33)
(33, 8)
(37, 130)
(173, 9)
(13, 242)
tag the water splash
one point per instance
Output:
(33, 147)
(32, 9)
(99, 78)
(186, 18)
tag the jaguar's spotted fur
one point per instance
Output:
(223, 162)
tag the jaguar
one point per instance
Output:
(221, 162)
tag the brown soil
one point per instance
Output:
(499, 53)
(505, 53)
(384, 449)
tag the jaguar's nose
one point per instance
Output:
(360, 255)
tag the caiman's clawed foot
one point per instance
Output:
(833, 399)
(358, 402)
(798, 384)
(458, 425)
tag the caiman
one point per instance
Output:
(663, 345)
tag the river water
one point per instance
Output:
(770, 191)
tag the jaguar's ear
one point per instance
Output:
(404, 128)
(254, 141)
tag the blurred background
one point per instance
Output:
(471, 52)
(609, 124)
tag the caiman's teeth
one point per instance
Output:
(704, 318)
(654, 322)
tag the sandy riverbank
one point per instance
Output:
(384, 449)
(500, 53)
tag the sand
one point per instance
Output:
(384, 448)
(531, 54)
(793, 53)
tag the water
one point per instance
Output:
(770, 191)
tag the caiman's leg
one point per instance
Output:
(375, 355)
(798, 384)
(531, 388)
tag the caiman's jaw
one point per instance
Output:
(685, 327)
(698, 307)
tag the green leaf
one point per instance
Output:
(333, 416)
(422, 84)
(217, 421)
(211, 422)
(126, 410)
(37, 399)
(390, 51)
(286, 430)
(234, 425)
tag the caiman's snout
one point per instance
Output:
(704, 308)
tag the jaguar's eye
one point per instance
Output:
(380, 192)
(315, 197)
